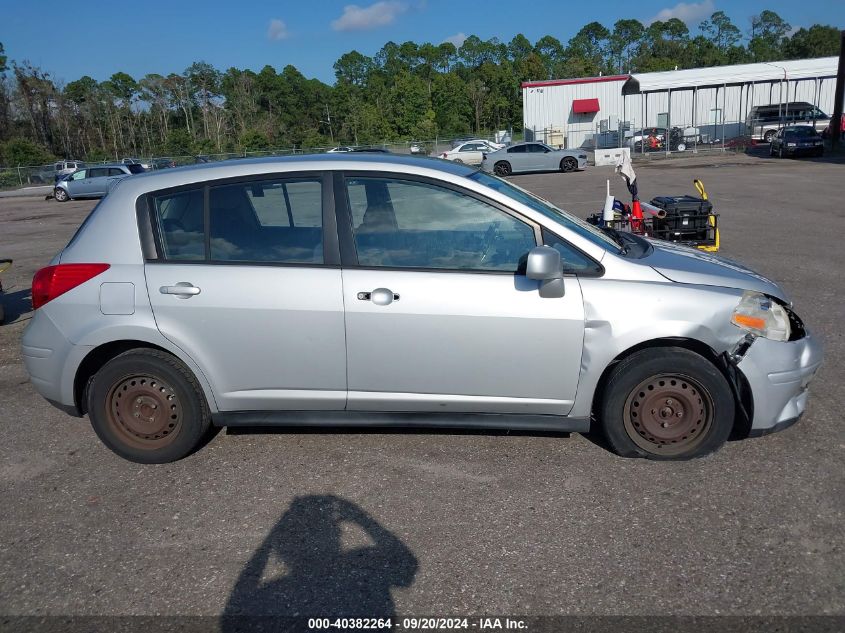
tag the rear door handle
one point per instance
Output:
(379, 296)
(183, 290)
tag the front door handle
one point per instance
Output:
(379, 296)
(183, 290)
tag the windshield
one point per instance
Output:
(579, 226)
(799, 132)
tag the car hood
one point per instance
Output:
(687, 265)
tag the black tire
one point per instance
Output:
(147, 406)
(60, 194)
(694, 415)
(502, 168)
(780, 152)
(768, 136)
(771, 151)
(568, 164)
(2, 312)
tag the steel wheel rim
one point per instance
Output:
(144, 411)
(668, 414)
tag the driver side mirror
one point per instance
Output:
(544, 265)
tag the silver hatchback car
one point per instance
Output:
(356, 289)
(92, 182)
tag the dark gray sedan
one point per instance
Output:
(795, 140)
(93, 182)
(525, 157)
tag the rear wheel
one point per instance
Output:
(502, 168)
(666, 404)
(61, 194)
(568, 164)
(768, 136)
(147, 407)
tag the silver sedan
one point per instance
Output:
(525, 157)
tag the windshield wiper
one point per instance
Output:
(614, 234)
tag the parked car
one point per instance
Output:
(797, 140)
(163, 163)
(461, 139)
(416, 293)
(763, 122)
(339, 150)
(93, 182)
(526, 157)
(137, 161)
(370, 150)
(417, 148)
(53, 173)
(471, 152)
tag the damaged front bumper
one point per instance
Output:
(778, 374)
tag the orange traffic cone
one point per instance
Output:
(636, 217)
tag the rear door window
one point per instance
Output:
(266, 221)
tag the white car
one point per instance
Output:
(471, 152)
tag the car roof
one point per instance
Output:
(376, 161)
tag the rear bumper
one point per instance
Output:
(779, 374)
(51, 361)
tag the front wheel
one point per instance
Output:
(61, 195)
(666, 404)
(681, 147)
(502, 168)
(568, 164)
(146, 406)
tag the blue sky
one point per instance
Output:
(99, 38)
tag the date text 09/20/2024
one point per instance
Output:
(418, 624)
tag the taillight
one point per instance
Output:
(53, 281)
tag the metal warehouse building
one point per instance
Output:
(711, 104)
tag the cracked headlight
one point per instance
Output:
(762, 316)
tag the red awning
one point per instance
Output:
(585, 106)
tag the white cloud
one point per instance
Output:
(457, 39)
(357, 18)
(690, 13)
(277, 30)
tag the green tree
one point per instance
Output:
(624, 42)
(178, 143)
(817, 41)
(720, 31)
(24, 152)
(590, 45)
(768, 35)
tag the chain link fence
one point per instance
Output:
(42, 175)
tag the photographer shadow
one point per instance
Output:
(302, 569)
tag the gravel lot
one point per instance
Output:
(446, 523)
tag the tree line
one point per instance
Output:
(405, 91)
